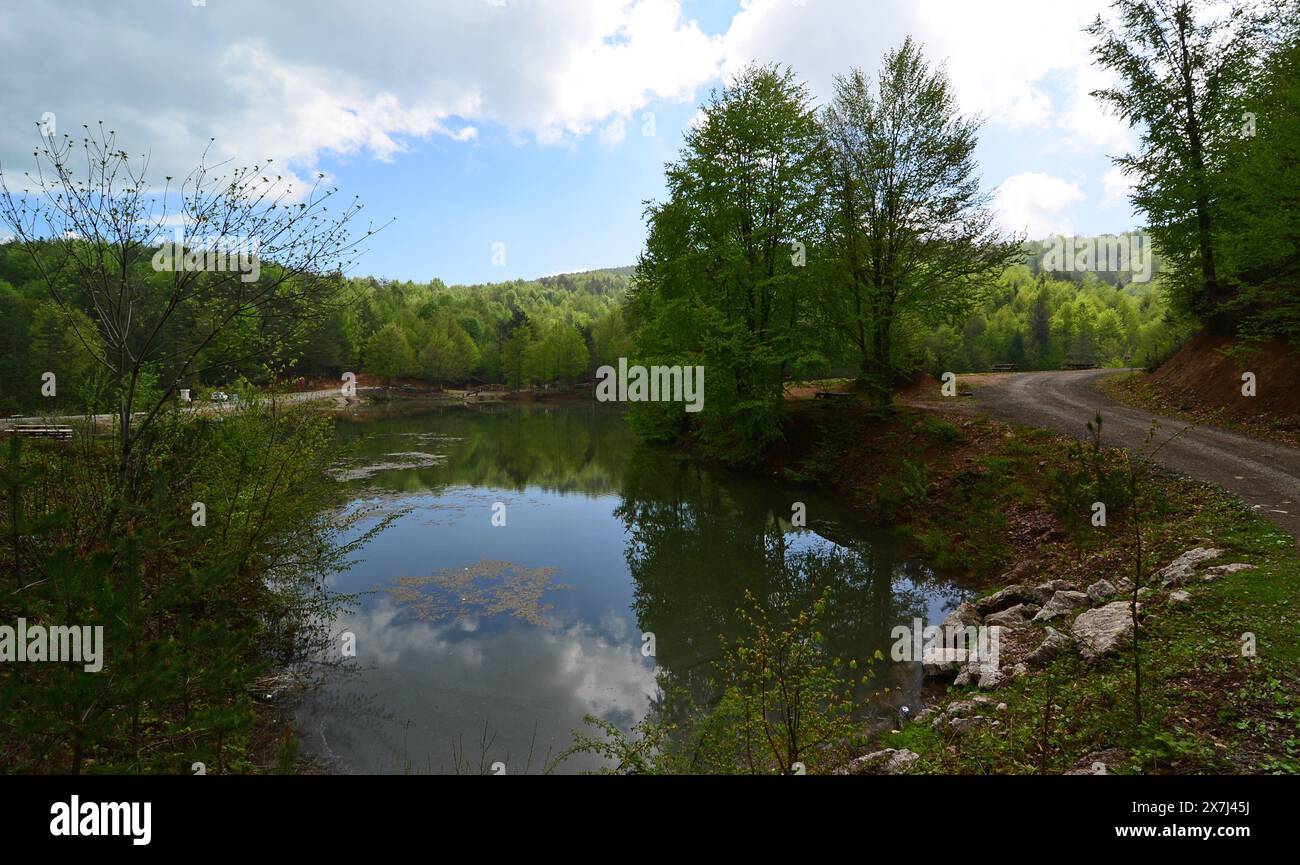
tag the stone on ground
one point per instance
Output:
(1060, 605)
(890, 761)
(1052, 646)
(1182, 570)
(1013, 617)
(1103, 630)
(1101, 591)
(1003, 598)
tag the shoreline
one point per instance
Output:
(974, 498)
(969, 496)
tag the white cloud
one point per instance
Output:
(571, 667)
(348, 79)
(1086, 121)
(1018, 64)
(1035, 203)
(1116, 188)
(355, 80)
(614, 132)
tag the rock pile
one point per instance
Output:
(1099, 619)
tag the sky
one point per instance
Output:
(518, 138)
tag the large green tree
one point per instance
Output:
(388, 354)
(722, 282)
(1186, 69)
(1260, 203)
(910, 236)
(448, 353)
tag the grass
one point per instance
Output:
(1208, 707)
(976, 496)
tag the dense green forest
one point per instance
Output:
(796, 240)
(1045, 321)
(559, 328)
(552, 329)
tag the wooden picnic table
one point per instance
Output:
(50, 431)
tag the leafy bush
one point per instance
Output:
(785, 708)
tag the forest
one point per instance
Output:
(794, 241)
(549, 330)
(558, 329)
(1045, 321)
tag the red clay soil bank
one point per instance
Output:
(919, 385)
(1201, 375)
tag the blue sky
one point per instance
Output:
(524, 122)
(557, 208)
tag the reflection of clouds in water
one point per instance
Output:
(609, 680)
(445, 682)
(674, 547)
(616, 626)
(381, 643)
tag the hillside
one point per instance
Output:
(1203, 382)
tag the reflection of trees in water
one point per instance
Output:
(332, 720)
(567, 449)
(697, 542)
(349, 722)
(697, 539)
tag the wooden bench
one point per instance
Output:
(489, 392)
(832, 394)
(45, 431)
(1003, 367)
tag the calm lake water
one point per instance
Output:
(479, 643)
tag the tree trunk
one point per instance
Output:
(1216, 318)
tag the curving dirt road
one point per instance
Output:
(1265, 475)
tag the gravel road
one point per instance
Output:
(1265, 475)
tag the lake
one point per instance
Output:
(539, 554)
